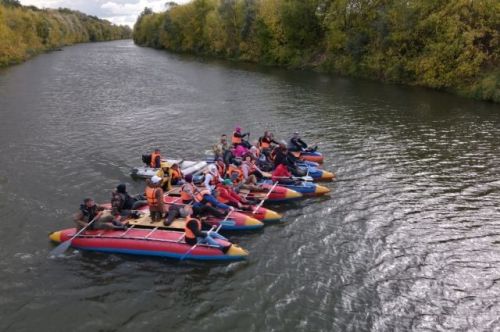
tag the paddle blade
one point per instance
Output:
(60, 249)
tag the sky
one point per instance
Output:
(116, 11)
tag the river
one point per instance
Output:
(408, 239)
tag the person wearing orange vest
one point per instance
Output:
(176, 175)
(203, 202)
(266, 141)
(155, 159)
(235, 174)
(193, 233)
(154, 196)
(238, 137)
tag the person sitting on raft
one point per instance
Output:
(266, 141)
(221, 166)
(203, 202)
(238, 138)
(296, 144)
(193, 233)
(177, 211)
(281, 174)
(165, 173)
(239, 151)
(155, 159)
(212, 177)
(226, 194)
(122, 203)
(279, 154)
(177, 176)
(154, 195)
(221, 147)
(89, 211)
(235, 174)
(250, 169)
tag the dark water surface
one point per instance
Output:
(409, 239)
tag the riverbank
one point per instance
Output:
(28, 31)
(445, 46)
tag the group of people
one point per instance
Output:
(266, 154)
(237, 166)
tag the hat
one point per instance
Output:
(227, 182)
(155, 179)
(166, 164)
(121, 188)
(188, 178)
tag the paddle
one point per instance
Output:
(62, 247)
(265, 197)
(303, 178)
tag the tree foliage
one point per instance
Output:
(443, 44)
(26, 31)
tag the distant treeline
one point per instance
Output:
(444, 44)
(27, 31)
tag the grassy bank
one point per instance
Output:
(27, 31)
(450, 45)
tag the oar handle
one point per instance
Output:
(64, 245)
(265, 197)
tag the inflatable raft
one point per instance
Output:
(187, 167)
(316, 173)
(305, 188)
(236, 221)
(314, 156)
(147, 242)
(279, 194)
(261, 214)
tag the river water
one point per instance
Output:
(409, 238)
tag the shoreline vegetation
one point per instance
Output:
(26, 31)
(449, 45)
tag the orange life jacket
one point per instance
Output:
(176, 174)
(151, 196)
(153, 158)
(264, 144)
(189, 233)
(233, 169)
(235, 139)
(185, 194)
(199, 194)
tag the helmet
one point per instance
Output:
(227, 182)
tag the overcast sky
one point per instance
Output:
(116, 11)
